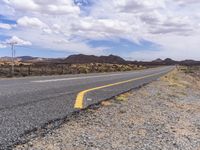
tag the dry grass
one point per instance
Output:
(106, 103)
(122, 97)
(174, 80)
(25, 69)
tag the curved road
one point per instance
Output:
(29, 103)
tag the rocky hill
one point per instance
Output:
(112, 59)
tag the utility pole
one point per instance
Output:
(13, 61)
(12, 44)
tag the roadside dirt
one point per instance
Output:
(162, 115)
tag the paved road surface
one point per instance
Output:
(29, 103)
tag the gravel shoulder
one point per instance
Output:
(162, 115)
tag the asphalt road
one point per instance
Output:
(29, 103)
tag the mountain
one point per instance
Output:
(111, 59)
(169, 61)
(21, 58)
(189, 62)
(158, 60)
(24, 59)
(94, 59)
(5, 58)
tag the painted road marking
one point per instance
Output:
(75, 78)
(80, 97)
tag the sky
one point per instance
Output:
(132, 29)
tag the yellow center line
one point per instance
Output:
(80, 96)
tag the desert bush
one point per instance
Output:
(57, 69)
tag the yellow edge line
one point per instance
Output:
(80, 96)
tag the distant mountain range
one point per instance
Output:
(118, 60)
(80, 59)
(166, 61)
(27, 59)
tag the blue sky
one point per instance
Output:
(142, 30)
(115, 47)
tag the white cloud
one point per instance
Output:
(17, 41)
(22, 4)
(62, 25)
(33, 22)
(101, 28)
(30, 22)
(2, 45)
(138, 6)
(5, 26)
(187, 2)
(53, 7)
